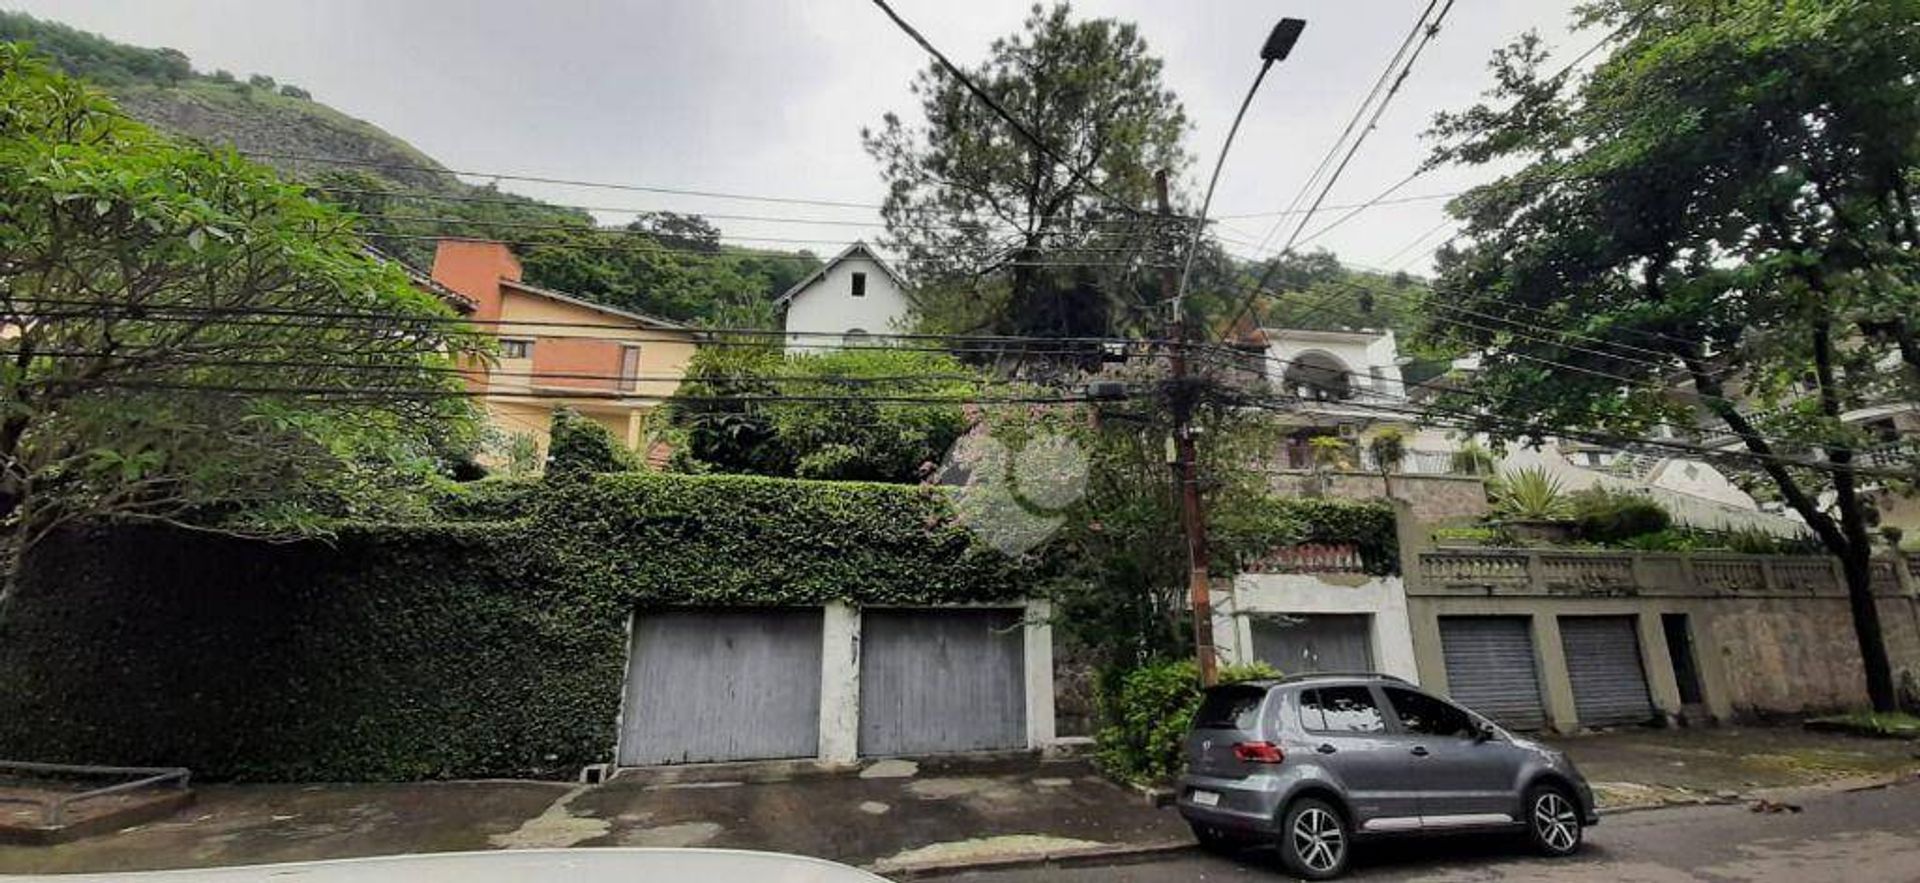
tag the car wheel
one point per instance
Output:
(1553, 821)
(1213, 839)
(1314, 840)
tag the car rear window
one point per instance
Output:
(1229, 708)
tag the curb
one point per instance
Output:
(1115, 854)
(1838, 786)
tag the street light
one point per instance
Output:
(1278, 46)
(1186, 456)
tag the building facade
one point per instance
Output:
(851, 299)
(612, 365)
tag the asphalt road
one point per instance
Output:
(1862, 837)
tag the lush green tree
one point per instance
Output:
(181, 337)
(1726, 201)
(869, 414)
(578, 445)
(1001, 238)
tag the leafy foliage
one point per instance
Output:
(1729, 198)
(1149, 715)
(822, 415)
(963, 183)
(94, 57)
(134, 385)
(1606, 516)
(1531, 494)
(452, 650)
(579, 445)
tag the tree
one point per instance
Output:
(1726, 201)
(186, 339)
(999, 236)
(852, 415)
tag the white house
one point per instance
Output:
(854, 296)
(1333, 366)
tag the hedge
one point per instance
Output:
(493, 646)
(1252, 529)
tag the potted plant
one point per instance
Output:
(1532, 504)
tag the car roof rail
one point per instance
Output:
(1367, 675)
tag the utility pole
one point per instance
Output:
(1186, 465)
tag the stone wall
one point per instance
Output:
(1787, 655)
(1433, 498)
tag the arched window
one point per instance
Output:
(1316, 374)
(855, 337)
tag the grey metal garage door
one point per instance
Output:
(934, 681)
(1300, 643)
(1490, 668)
(1603, 662)
(708, 685)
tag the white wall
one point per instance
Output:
(1383, 599)
(1360, 353)
(828, 306)
(1727, 509)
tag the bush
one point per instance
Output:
(1530, 494)
(1253, 528)
(1146, 721)
(1610, 517)
(579, 445)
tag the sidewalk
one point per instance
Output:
(895, 817)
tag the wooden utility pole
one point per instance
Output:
(1186, 466)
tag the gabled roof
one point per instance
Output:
(642, 318)
(455, 299)
(858, 247)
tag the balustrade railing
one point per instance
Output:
(1617, 572)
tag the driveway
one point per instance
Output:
(1861, 836)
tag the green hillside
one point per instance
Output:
(667, 264)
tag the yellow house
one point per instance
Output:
(615, 366)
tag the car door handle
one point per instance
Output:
(1419, 751)
(1326, 748)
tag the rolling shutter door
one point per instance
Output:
(1303, 643)
(722, 685)
(934, 681)
(1603, 662)
(1490, 668)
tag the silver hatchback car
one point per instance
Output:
(1312, 763)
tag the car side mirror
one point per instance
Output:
(1482, 732)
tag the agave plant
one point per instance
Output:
(1531, 494)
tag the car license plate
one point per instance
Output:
(1205, 798)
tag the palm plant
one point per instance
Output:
(1531, 494)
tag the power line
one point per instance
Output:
(569, 182)
(1535, 429)
(1427, 30)
(994, 105)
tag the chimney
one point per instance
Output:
(474, 268)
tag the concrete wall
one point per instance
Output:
(1779, 644)
(1250, 595)
(1433, 497)
(828, 306)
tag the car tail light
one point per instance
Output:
(1258, 752)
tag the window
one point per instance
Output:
(516, 348)
(629, 367)
(1427, 716)
(854, 337)
(1340, 710)
(1230, 708)
(859, 285)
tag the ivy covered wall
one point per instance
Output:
(489, 645)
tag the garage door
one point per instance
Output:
(1490, 668)
(1297, 644)
(722, 685)
(1603, 662)
(934, 681)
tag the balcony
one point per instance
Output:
(1498, 571)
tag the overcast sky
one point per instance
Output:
(768, 97)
